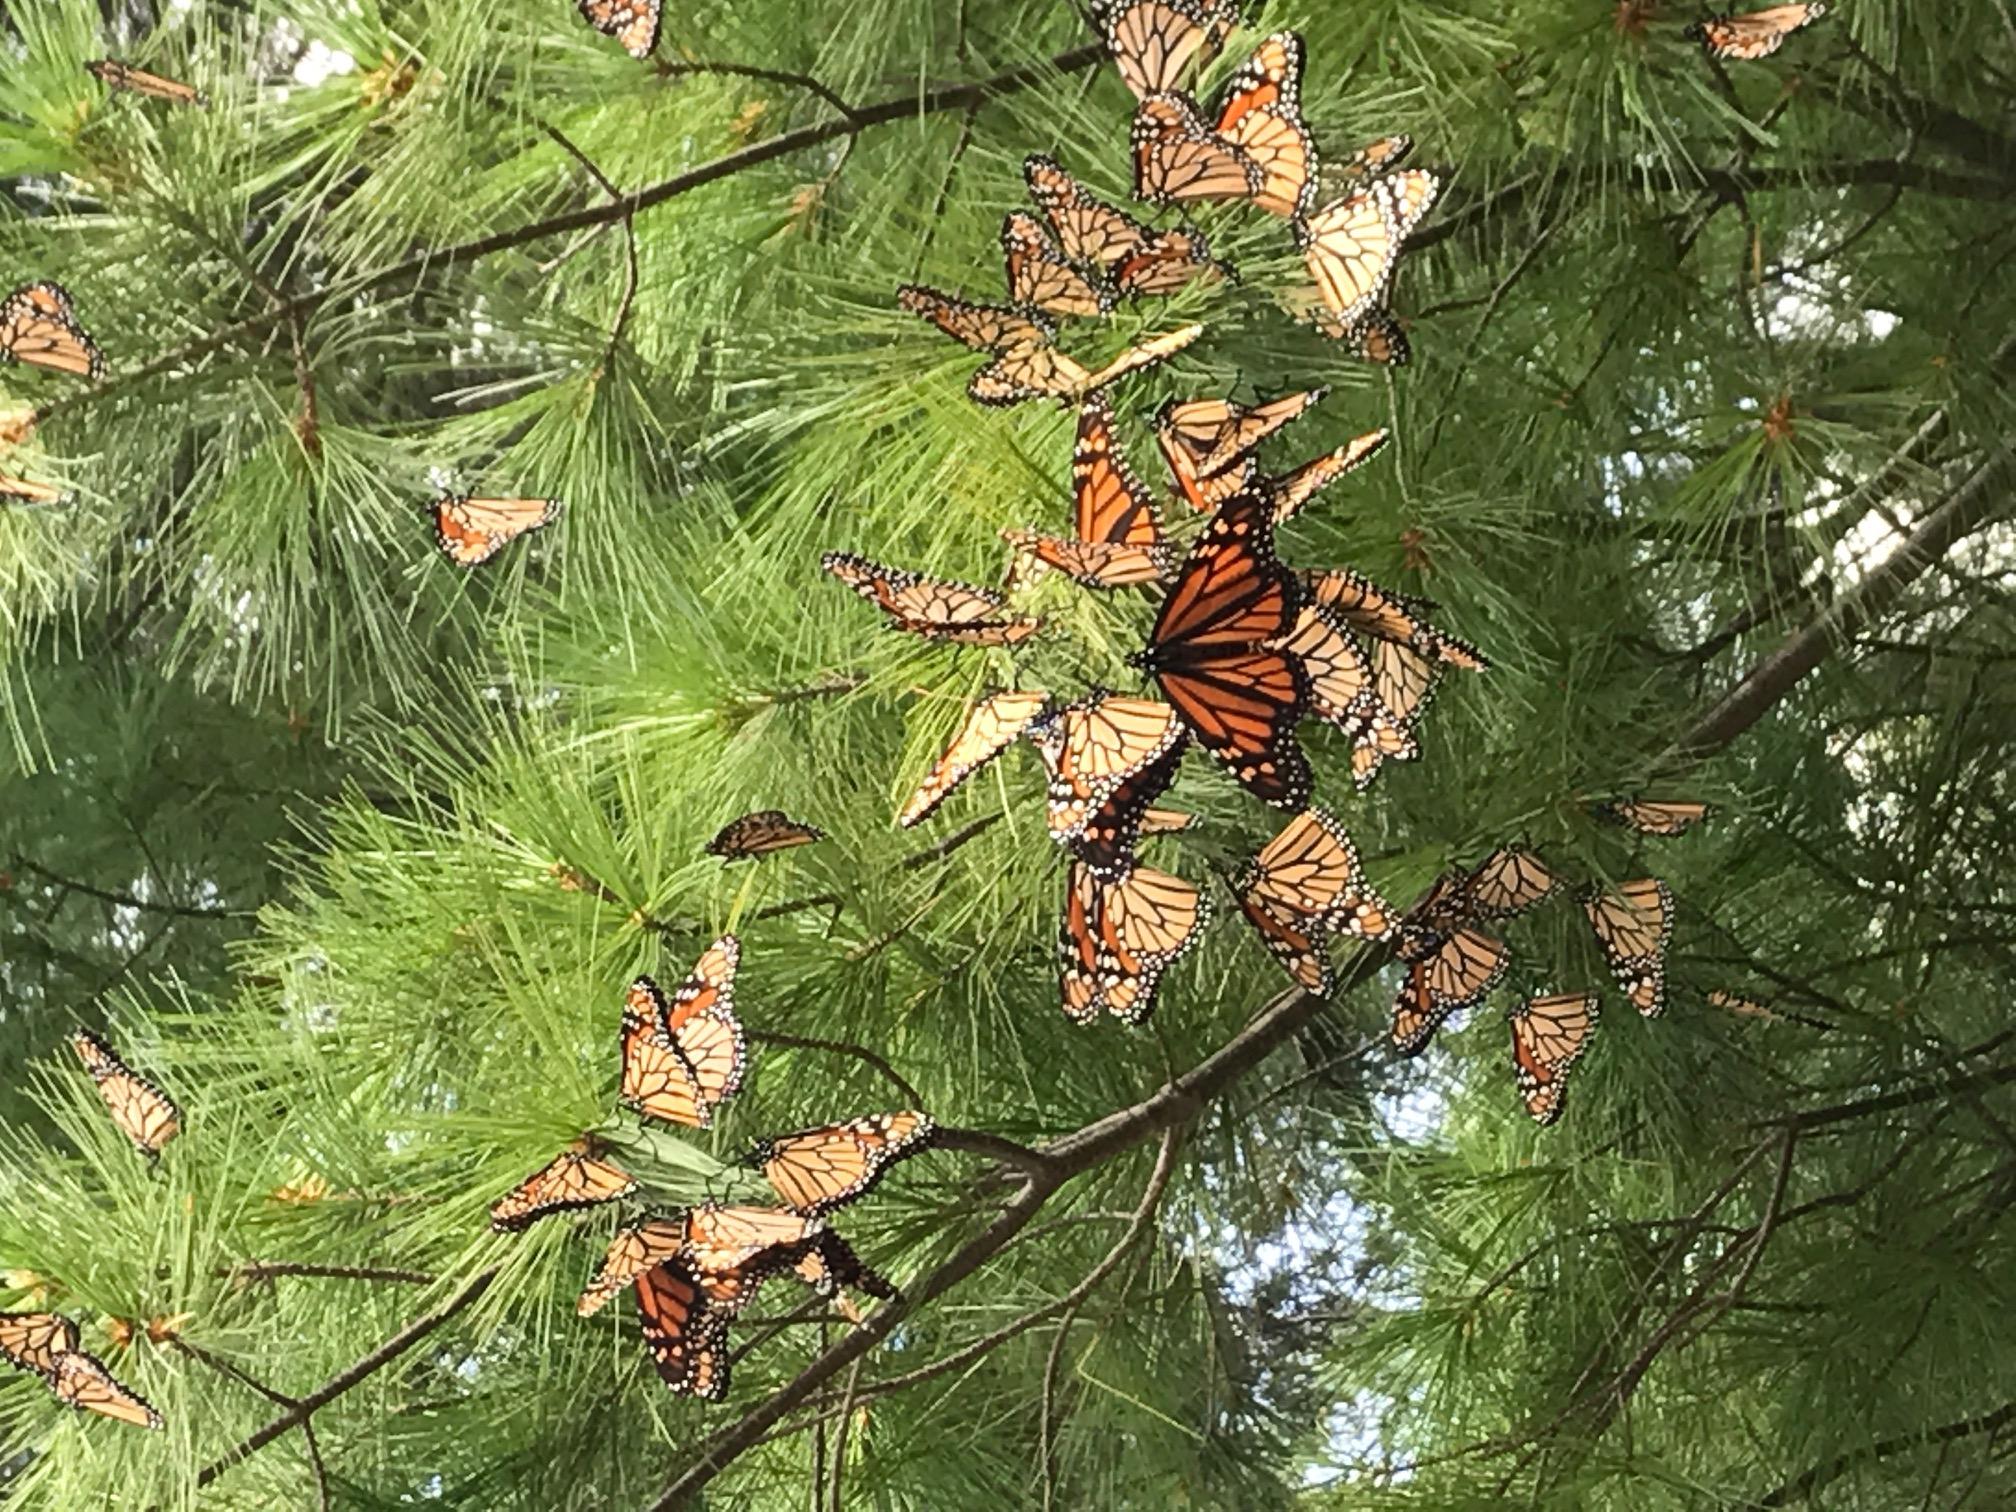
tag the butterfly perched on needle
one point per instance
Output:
(1297, 487)
(38, 326)
(1756, 34)
(1108, 760)
(46, 1345)
(934, 608)
(578, 1177)
(471, 530)
(1654, 817)
(1041, 277)
(1119, 540)
(1213, 651)
(1353, 244)
(760, 834)
(1633, 924)
(1026, 362)
(1208, 443)
(1549, 1035)
(819, 1170)
(1155, 43)
(1451, 964)
(1307, 883)
(124, 76)
(1255, 149)
(991, 726)
(1136, 257)
(684, 1055)
(25, 491)
(633, 23)
(1120, 935)
(142, 1111)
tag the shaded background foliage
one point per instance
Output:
(1700, 356)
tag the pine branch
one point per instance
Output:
(254, 1271)
(127, 900)
(1801, 1487)
(306, 1407)
(839, 1047)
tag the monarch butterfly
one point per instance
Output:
(1258, 149)
(633, 1251)
(1305, 883)
(1119, 540)
(472, 530)
(1046, 373)
(829, 1264)
(734, 1249)
(985, 328)
(1292, 490)
(687, 1341)
(1120, 937)
(1633, 925)
(1755, 35)
(1389, 616)
(143, 1112)
(1161, 821)
(1154, 42)
(1095, 564)
(1549, 1035)
(1215, 431)
(634, 23)
(1108, 759)
(760, 833)
(1652, 817)
(31, 493)
(577, 1177)
(1206, 492)
(1040, 276)
(1140, 259)
(932, 607)
(818, 1170)
(32, 1341)
(1377, 158)
(684, 1057)
(80, 1381)
(1351, 245)
(38, 326)
(1511, 880)
(1210, 652)
(116, 75)
(1378, 337)
(1342, 691)
(1446, 973)
(992, 725)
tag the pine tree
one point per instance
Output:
(1705, 442)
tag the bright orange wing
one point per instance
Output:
(634, 23)
(686, 1340)
(32, 1341)
(471, 531)
(632, 1252)
(1757, 35)
(934, 608)
(1260, 113)
(80, 1381)
(144, 1113)
(1549, 1035)
(575, 1178)
(1155, 43)
(1633, 925)
(1041, 277)
(819, 1170)
(38, 326)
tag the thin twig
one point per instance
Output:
(839, 1047)
(772, 75)
(629, 237)
(266, 1270)
(127, 900)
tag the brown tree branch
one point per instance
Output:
(1803, 1486)
(307, 1406)
(266, 1270)
(839, 1047)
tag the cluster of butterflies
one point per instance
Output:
(47, 1344)
(683, 1055)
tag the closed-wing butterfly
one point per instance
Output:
(1342, 690)
(1633, 925)
(686, 1339)
(1154, 43)
(991, 726)
(1352, 244)
(578, 1177)
(760, 833)
(1511, 880)
(634, 23)
(1214, 651)
(984, 328)
(1446, 973)
(32, 1341)
(80, 1381)
(632, 1252)
(819, 1170)
(1256, 148)
(143, 1112)
(935, 608)
(684, 1056)
(1120, 937)
(472, 530)
(124, 76)
(1138, 258)
(1549, 1035)
(1119, 538)
(1040, 276)
(1046, 373)
(1376, 158)
(1213, 432)
(1307, 882)
(1108, 760)
(39, 326)
(733, 1249)
(1757, 34)
(23, 491)
(1295, 488)
(1388, 616)
(1652, 817)
(829, 1265)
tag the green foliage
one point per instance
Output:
(290, 800)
